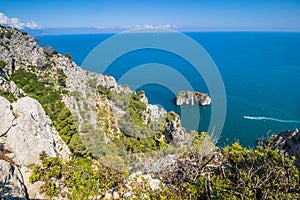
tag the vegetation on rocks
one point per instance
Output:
(48, 93)
(2, 64)
(138, 134)
(233, 172)
(8, 95)
(80, 178)
(136, 109)
(104, 92)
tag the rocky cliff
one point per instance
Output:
(192, 98)
(38, 88)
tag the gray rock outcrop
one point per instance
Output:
(6, 117)
(19, 49)
(11, 182)
(174, 132)
(192, 98)
(156, 113)
(288, 142)
(33, 189)
(27, 131)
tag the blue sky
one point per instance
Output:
(178, 14)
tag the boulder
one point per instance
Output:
(26, 131)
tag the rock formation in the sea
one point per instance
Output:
(192, 98)
(288, 142)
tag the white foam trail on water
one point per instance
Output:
(271, 119)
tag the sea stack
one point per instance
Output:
(192, 98)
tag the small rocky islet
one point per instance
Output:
(192, 98)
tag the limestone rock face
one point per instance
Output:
(6, 117)
(26, 131)
(173, 130)
(10, 86)
(288, 142)
(33, 189)
(192, 98)
(156, 113)
(19, 50)
(11, 182)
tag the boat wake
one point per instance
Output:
(271, 119)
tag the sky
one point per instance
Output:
(176, 14)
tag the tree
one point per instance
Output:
(68, 56)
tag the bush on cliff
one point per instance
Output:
(234, 173)
(2, 64)
(81, 178)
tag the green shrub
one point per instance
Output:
(2, 64)
(8, 95)
(171, 116)
(68, 56)
(104, 91)
(82, 177)
(235, 173)
(9, 34)
(62, 78)
(136, 109)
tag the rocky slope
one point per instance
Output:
(192, 98)
(26, 130)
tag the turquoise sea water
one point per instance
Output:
(260, 70)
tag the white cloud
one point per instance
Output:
(16, 23)
(32, 25)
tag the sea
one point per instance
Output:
(260, 72)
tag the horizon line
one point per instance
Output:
(94, 30)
